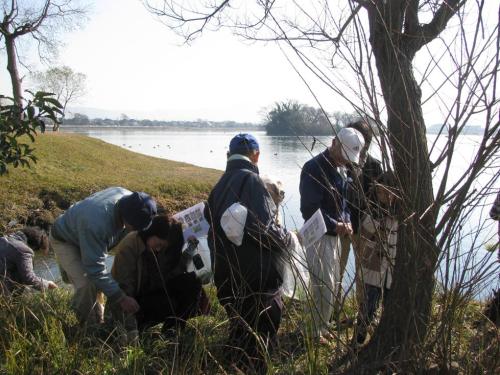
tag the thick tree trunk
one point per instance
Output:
(10, 47)
(404, 323)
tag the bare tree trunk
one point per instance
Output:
(405, 318)
(10, 47)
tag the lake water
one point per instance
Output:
(281, 158)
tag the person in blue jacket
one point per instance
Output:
(81, 238)
(323, 185)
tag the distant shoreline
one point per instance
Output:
(434, 130)
(161, 127)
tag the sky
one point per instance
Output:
(135, 65)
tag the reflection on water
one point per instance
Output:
(46, 266)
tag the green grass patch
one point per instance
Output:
(71, 167)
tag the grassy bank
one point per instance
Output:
(70, 167)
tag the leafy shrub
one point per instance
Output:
(16, 122)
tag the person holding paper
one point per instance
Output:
(323, 185)
(492, 310)
(248, 249)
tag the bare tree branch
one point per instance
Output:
(431, 30)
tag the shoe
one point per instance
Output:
(169, 334)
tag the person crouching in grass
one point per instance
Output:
(16, 260)
(377, 249)
(149, 267)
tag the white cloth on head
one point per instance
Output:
(275, 189)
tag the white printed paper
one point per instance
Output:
(193, 221)
(313, 229)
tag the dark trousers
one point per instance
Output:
(253, 316)
(173, 305)
(368, 309)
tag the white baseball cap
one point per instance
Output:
(352, 142)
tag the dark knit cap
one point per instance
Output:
(137, 209)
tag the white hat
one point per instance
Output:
(352, 142)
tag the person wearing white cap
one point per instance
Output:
(323, 186)
(361, 180)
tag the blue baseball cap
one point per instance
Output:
(243, 143)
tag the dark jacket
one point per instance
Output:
(139, 271)
(16, 264)
(258, 264)
(322, 186)
(359, 189)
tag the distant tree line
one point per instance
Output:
(83, 120)
(293, 118)
(285, 118)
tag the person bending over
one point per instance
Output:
(81, 238)
(16, 260)
(150, 267)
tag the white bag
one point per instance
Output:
(233, 222)
(296, 277)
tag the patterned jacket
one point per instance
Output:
(377, 250)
